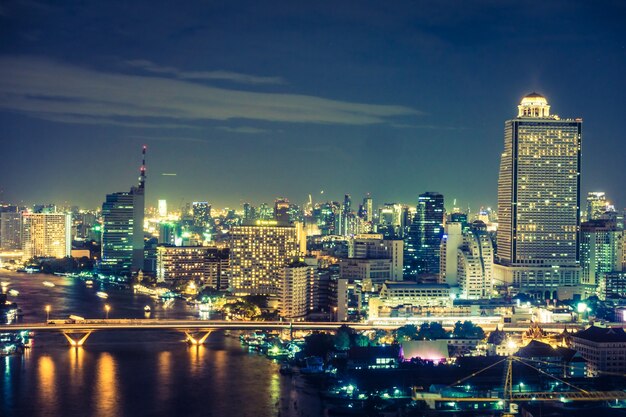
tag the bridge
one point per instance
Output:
(77, 331)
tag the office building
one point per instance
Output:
(46, 235)
(373, 246)
(448, 259)
(281, 210)
(601, 250)
(597, 205)
(259, 252)
(422, 242)
(122, 229)
(539, 201)
(604, 349)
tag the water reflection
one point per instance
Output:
(106, 394)
(76, 377)
(197, 355)
(47, 385)
(164, 376)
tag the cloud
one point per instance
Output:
(37, 87)
(243, 129)
(236, 77)
(71, 119)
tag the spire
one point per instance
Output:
(142, 170)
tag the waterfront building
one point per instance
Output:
(422, 242)
(10, 229)
(295, 289)
(539, 201)
(258, 253)
(601, 251)
(604, 349)
(46, 235)
(204, 265)
(122, 251)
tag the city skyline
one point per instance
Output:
(406, 96)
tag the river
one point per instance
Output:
(143, 373)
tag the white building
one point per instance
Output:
(475, 265)
(448, 260)
(46, 235)
(294, 291)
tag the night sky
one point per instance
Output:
(249, 101)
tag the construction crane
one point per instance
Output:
(510, 399)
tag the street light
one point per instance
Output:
(48, 312)
(107, 308)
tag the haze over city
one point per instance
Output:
(248, 101)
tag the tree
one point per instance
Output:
(406, 332)
(343, 337)
(361, 340)
(318, 344)
(467, 330)
(432, 331)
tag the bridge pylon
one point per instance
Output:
(77, 341)
(194, 340)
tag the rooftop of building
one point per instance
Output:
(602, 334)
(412, 284)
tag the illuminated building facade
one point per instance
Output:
(294, 290)
(601, 248)
(201, 213)
(597, 205)
(10, 229)
(46, 235)
(422, 242)
(475, 263)
(259, 252)
(539, 200)
(122, 229)
(373, 246)
(205, 266)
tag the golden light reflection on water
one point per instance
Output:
(164, 387)
(197, 355)
(274, 388)
(77, 372)
(47, 384)
(106, 388)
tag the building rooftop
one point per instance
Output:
(602, 334)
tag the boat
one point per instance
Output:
(48, 284)
(102, 294)
(147, 309)
(14, 293)
(89, 282)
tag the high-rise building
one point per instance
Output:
(448, 262)
(122, 229)
(259, 252)
(539, 200)
(294, 290)
(201, 213)
(10, 229)
(368, 208)
(46, 235)
(162, 208)
(422, 242)
(597, 205)
(475, 263)
(601, 249)
(281, 210)
(373, 246)
(205, 266)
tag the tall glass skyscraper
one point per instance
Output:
(122, 233)
(421, 255)
(539, 200)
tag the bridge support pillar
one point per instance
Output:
(193, 339)
(76, 341)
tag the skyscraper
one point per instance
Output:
(601, 249)
(10, 228)
(281, 210)
(539, 200)
(424, 237)
(258, 253)
(122, 229)
(201, 213)
(46, 235)
(597, 205)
